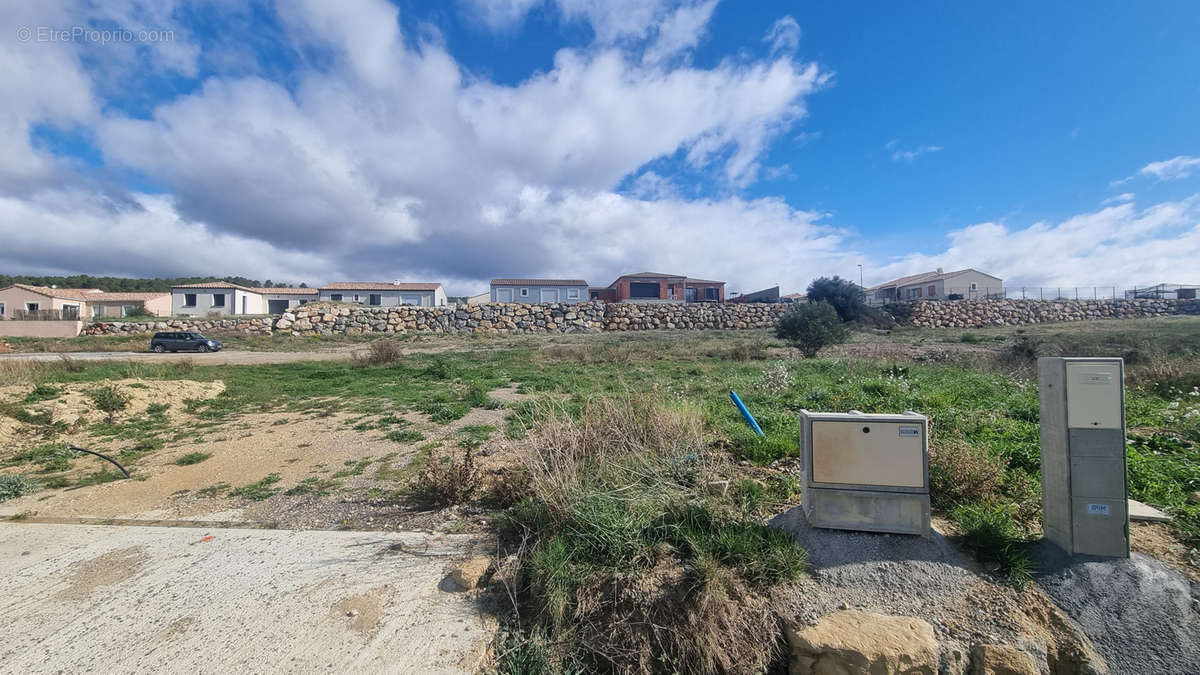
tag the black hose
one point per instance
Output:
(76, 448)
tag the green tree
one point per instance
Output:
(845, 296)
(809, 327)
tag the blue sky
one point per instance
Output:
(764, 142)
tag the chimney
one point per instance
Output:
(396, 282)
(940, 271)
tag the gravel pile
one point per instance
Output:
(1140, 614)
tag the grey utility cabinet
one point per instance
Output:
(1084, 499)
(866, 472)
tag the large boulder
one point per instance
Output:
(1001, 660)
(853, 642)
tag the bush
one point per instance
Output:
(16, 485)
(446, 482)
(380, 353)
(844, 295)
(748, 351)
(992, 534)
(809, 327)
(959, 473)
(109, 400)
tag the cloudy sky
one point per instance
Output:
(454, 141)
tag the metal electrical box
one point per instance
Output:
(1084, 500)
(866, 472)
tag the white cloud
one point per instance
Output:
(1120, 246)
(1171, 169)
(784, 35)
(680, 31)
(900, 154)
(1116, 199)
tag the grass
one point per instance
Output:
(405, 436)
(193, 458)
(354, 468)
(313, 486)
(214, 490)
(259, 490)
(15, 485)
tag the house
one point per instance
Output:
(539, 290)
(384, 294)
(962, 284)
(479, 298)
(22, 301)
(280, 300)
(766, 295)
(221, 298)
(656, 287)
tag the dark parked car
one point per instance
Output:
(190, 342)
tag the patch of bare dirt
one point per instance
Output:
(361, 612)
(954, 353)
(1157, 540)
(86, 576)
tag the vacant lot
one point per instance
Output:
(469, 436)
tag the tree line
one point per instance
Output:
(132, 285)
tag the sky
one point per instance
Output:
(762, 143)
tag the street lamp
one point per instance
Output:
(862, 291)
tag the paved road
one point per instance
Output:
(221, 358)
(127, 599)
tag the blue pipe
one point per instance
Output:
(746, 413)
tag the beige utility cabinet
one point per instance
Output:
(1084, 497)
(866, 472)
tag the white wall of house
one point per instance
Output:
(216, 302)
(971, 284)
(385, 298)
(537, 294)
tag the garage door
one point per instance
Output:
(549, 295)
(410, 300)
(641, 289)
(277, 306)
(503, 295)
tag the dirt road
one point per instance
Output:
(221, 358)
(124, 599)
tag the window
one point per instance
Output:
(974, 286)
(710, 294)
(932, 291)
(304, 302)
(524, 292)
(572, 293)
(643, 289)
(70, 312)
(218, 300)
(126, 309)
(336, 297)
(189, 299)
(671, 291)
(2, 308)
(97, 311)
(375, 299)
(32, 307)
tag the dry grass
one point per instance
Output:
(959, 473)
(380, 353)
(446, 481)
(14, 371)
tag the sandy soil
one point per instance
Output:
(86, 598)
(1157, 540)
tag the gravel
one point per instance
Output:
(1140, 614)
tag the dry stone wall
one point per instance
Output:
(325, 319)
(980, 313)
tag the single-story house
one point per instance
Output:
(766, 295)
(964, 284)
(221, 298)
(539, 290)
(23, 301)
(656, 287)
(384, 294)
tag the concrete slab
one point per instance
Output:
(1140, 511)
(131, 599)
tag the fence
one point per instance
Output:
(932, 292)
(65, 314)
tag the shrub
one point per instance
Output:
(109, 399)
(959, 473)
(992, 534)
(42, 392)
(193, 458)
(16, 485)
(69, 364)
(748, 351)
(380, 353)
(809, 327)
(404, 436)
(258, 491)
(844, 295)
(446, 482)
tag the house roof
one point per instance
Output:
(378, 286)
(689, 280)
(925, 277)
(81, 294)
(651, 275)
(216, 284)
(285, 291)
(125, 297)
(539, 282)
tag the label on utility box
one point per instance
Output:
(1097, 509)
(910, 430)
(1095, 378)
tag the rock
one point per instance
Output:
(853, 642)
(718, 488)
(469, 573)
(1194, 497)
(1001, 660)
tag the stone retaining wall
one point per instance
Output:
(324, 319)
(979, 313)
